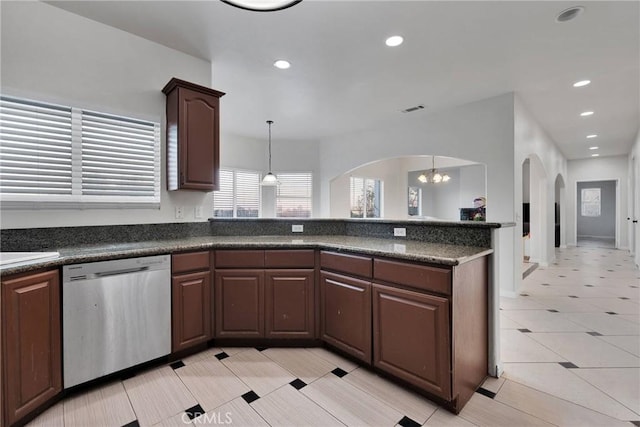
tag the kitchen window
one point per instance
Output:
(293, 195)
(366, 197)
(59, 156)
(239, 194)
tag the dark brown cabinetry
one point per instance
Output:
(31, 368)
(193, 158)
(191, 299)
(265, 294)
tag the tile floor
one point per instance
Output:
(570, 347)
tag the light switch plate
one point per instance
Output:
(199, 212)
(400, 232)
(179, 212)
(297, 228)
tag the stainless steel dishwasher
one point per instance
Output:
(116, 314)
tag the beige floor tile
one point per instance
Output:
(544, 321)
(234, 350)
(349, 404)
(211, 383)
(337, 361)
(178, 420)
(519, 303)
(631, 318)
(493, 384)
(519, 347)
(288, 407)
(107, 405)
(483, 411)
(606, 324)
(235, 413)
(256, 370)
(630, 343)
(623, 384)
(203, 355)
(551, 378)
(444, 418)
(52, 417)
(158, 394)
(301, 364)
(616, 305)
(506, 323)
(567, 304)
(586, 351)
(552, 409)
(408, 403)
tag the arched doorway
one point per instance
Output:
(559, 213)
(534, 190)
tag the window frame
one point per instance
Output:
(234, 192)
(379, 183)
(309, 197)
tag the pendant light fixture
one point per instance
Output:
(262, 5)
(270, 179)
(433, 176)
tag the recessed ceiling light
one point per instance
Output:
(593, 148)
(595, 155)
(592, 136)
(394, 41)
(569, 14)
(581, 83)
(586, 113)
(262, 5)
(282, 64)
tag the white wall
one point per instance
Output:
(634, 199)
(599, 169)
(53, 55)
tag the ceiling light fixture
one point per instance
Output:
(394, 41)
(269, 179)
(586, 113)
(581, 83)
(433, 175)
(569, 14)
(261, 5)
(595, 155)
(592, 136)
(593, 148)
(282, 64)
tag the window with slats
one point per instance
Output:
(63, 155)
(239, 194)
(293, 196)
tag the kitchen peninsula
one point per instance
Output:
(415, 309)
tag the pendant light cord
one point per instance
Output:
(269, 122)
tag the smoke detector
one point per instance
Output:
(569, 14)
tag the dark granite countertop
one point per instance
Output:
(436, 253)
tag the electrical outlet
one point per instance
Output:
(297, 228)
(179, 212)
(199, 212)
(400, 232)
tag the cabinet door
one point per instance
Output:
(289, 303)
(411, 338)
(31, 330)
(191, 296)
(346, 314)
(198, 129)
(239, 303)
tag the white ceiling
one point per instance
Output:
(343, 78)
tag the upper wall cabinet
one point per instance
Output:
(193, 156)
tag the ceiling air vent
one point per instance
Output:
(412, 109)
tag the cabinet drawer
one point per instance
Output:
(239, 259)
(299, 258)
(344, 263)
(190, 261)
(417, 276)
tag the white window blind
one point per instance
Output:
(293, 197)
(239, 194)
(51, 154)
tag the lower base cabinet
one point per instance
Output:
(289, 304)
(411, 338)
(239, 303)
(31, 346)
(191, 295)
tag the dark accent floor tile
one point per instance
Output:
(524, 330)
(486, 392)
(339, 372)
(595, 334)
(610, 270)
(126, 375)
(524, 295)
(261, 348)
(222, 355)
(133, 423)
(298, 383)
(635, 423)
(250, 396)
(568, 365)
(560, 275)
(194, 411)
(602, 277)
(176, 365)
(408, 422)
(576, 269)
(552, 311)
(573, 296)
(545, 284)
(611, 312)
(624, 298)
(589, 286)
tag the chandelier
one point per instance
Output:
(433, 175)
(261, 5)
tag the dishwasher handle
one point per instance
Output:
(123, 271)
